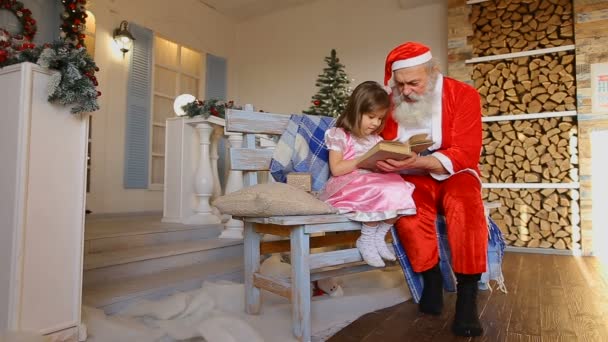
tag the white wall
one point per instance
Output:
(187, 22)
(280, 55)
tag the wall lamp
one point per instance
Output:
(123, 37)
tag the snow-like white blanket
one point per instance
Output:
(215, 313)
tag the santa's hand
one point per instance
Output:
(393, 165)
(421, 163)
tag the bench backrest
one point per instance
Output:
(250, 158)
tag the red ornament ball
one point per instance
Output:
(316, 102)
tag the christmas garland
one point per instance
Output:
(75, 82)
(73, 22)
(206, 108)
(14, 50)
(24, 15)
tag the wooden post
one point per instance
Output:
(300, 287)
(252, 265)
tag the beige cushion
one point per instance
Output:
(272, 199)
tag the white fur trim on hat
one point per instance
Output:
(410, 62)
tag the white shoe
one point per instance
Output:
(366, 246)
(380, 242)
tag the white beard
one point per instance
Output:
(416, 115)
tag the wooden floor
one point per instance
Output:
(551, 298)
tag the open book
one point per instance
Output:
(394, 150)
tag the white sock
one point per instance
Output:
(367, 246)
(379, 240)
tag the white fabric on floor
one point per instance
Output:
(215, 313)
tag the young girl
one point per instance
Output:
(375, 199)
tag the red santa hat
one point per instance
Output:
(404, 56)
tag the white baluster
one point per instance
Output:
(218, 131)
(203, 181)
(234, 228)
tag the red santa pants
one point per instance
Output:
(458, 198)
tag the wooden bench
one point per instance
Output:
(305, 266)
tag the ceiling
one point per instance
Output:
(247, 9)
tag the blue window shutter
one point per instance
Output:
(215, 80)
(215, 88)
(139, 89)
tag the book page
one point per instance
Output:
(418, 138)
(384, 150)
(407, 134)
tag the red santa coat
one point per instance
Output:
(456, 128)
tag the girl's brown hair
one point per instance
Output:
(367, 97)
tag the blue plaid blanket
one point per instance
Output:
(496, 248)
(301, 148)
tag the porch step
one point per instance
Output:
(112, 296)
(116, 233)
(132, 262)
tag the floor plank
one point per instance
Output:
(526, 305)
(550, 298)
(496, 315)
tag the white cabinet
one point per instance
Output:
(42, 195)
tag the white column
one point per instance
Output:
(218, 132)
(203, 180)
(234, 228)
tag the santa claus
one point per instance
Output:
(446, 177)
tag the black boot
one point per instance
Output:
(466, 319)
(431, 301)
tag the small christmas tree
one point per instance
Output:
(333, 89)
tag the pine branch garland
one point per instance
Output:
(77, 84)
(74, 85)
(207, 108)
(73, 22)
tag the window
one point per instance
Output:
(89, 31)
(177, 70)
(89, 43)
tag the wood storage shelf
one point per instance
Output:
(545, 218)
(502, 27)
(530, 151)
(527, 84)
(523, 64)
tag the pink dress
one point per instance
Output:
(363, 195)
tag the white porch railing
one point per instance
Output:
(191, 173)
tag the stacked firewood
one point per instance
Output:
(507, 26)
(542, 218)
(529, 151)
(527, 84)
